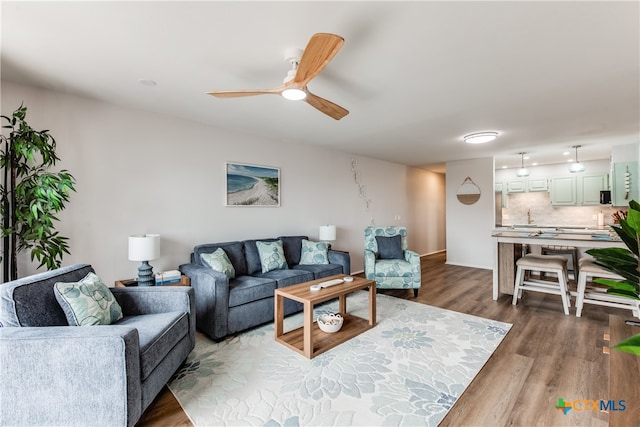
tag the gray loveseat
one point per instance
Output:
(55, 374)
(226, 306)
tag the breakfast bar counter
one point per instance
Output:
(508, 248)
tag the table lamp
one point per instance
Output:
(327, 233)
(144, 247)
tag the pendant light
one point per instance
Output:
(577, 166)
(522, 172)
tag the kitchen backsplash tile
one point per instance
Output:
(538, 204)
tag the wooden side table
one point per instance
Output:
(184, 281)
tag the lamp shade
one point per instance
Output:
(576, 167)
(327, 233)
(144, 247)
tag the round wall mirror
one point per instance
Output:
(468, 192)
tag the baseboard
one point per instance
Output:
(433, 253)
(470, 266)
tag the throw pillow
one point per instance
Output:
(314, 253)
(87, 302)
(272, 256)
(390, 247)
(219, 261)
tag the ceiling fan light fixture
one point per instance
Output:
(294, 94)
(480, 137)
(576, 166)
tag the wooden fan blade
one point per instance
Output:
(319, 51)
(329, 108)
(239, 93)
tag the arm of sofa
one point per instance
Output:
(414, 259)
(342, 258)
(212, 299)
(67, 375)
(369, 264)
(137, 300)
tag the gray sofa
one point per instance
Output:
(226, 306)
(55, 374)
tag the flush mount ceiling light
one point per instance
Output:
(522, 172)
(576, 166)
(480, 137)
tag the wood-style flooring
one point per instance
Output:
(545, 356)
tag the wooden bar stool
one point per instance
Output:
(572, 251)
(593, 293)
(556, 264)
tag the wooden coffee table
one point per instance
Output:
(309, 340)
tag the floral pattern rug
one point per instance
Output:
(408, 370)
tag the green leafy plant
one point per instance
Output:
(623, 262)
(30, 195)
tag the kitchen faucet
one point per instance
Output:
(529, 217)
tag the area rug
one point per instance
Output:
(408, 370)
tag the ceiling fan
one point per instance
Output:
(322, 47)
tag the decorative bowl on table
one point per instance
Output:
(330, 322)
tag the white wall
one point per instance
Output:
(140, 172)
(469, 227)
(625, 153)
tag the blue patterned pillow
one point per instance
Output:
(272, 256)
(314, 253)
(390, 247)
(219, 261)
(87, 302)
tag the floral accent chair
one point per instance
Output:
(388, 261)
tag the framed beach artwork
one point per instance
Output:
(252, 185)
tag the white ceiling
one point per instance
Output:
(415, 76)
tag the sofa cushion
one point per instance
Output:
(158, 334)
(30, 301)
(235, 252)
(320, 270)
(219, 261)
(253, 256)
(287, 277)
(272, 256)
(87, 302)
(246, 289)
(393, 268)
(314, 253)
(390, 247)
(292, 246)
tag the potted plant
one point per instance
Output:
(623, 262)
(30, 195)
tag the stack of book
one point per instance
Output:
(167, 277)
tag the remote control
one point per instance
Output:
(330, 283)
(325, 284)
